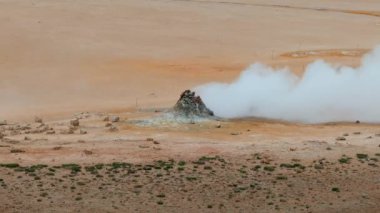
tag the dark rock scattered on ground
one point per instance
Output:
(114, 119)
(38, 120)
(340, 139)
(74, 122)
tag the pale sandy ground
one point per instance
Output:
(128, 58)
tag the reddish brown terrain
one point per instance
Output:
(101, 74)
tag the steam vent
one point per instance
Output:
(190, 105)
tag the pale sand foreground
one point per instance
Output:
(130, 58)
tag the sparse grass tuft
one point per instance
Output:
(344, 159)
(99, 166)
(204, 159)
(118, 165)
(269, 168)
(292, 166)
(44, 194)
(161, 195)
(281, 177)
(208, 168)
(75, 168)
(17, 151)
(191, 178)
(257, 167)
(91, 169)
(362, 156)
(10, 165)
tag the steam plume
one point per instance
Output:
(323, 94)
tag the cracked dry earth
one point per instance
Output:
(96, 162)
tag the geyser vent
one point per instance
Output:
(190, 105)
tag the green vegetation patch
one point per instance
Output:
(10, 165)
(91, 169)
(204, 159)
(118, 165)
(256, 168)
(166, 165)
(292, 166)
(281, 177)
(161, 195)
(362, 156)
(269, 168)
(191, 178)
(75, 168)
(99, 166)
(181, 163)
(344, 159)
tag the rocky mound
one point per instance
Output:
(190, 105)
(188, 109)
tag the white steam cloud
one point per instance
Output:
(323, 94)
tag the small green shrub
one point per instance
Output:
(191, 178)
(10, 165)
(161, 195)
(181, 163)
(75, 168)
(269, 168)
(362, 156)
(281, 177)
(344, 159)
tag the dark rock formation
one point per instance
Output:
(190, 105)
